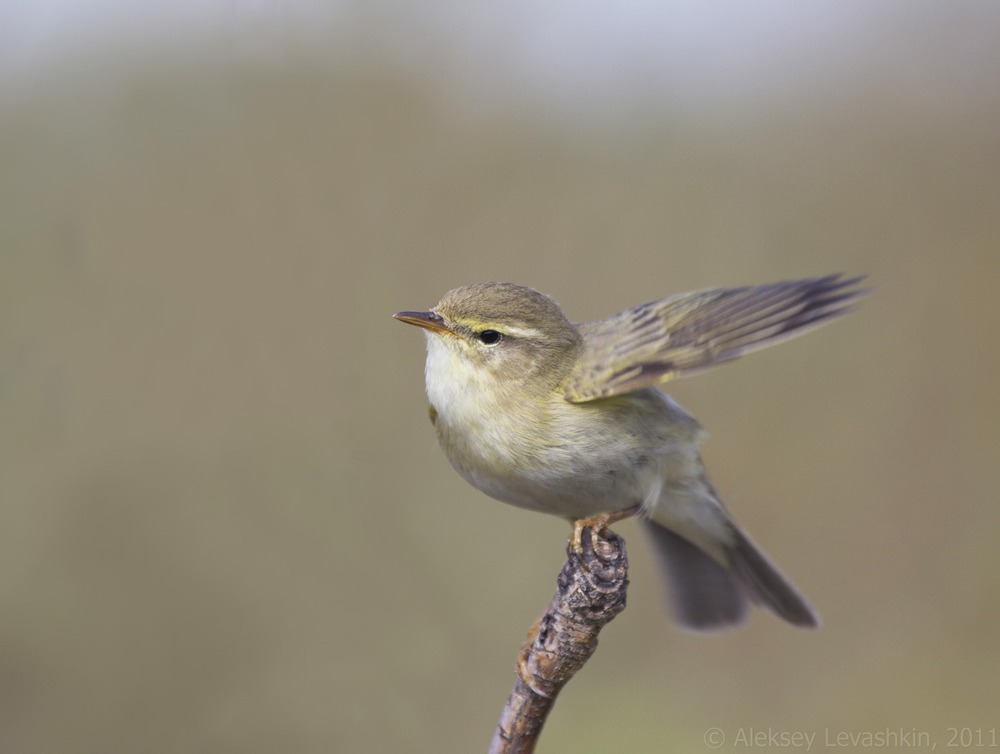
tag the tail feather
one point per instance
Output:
(767, 586)
(703, 592)
(707, 595)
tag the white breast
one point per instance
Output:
(459, 394)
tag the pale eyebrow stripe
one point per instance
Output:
(520, 332)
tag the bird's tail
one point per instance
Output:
(708, 595)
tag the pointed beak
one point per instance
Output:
(427, 320)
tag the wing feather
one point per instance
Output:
(684, 334)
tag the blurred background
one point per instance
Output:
(225, 522)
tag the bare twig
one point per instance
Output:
(590, 593)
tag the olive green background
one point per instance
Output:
(224, 522)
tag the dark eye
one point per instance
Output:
(490, 337)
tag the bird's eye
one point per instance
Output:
(490, 337)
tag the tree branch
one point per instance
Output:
(590, 592)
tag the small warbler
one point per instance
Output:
(565, 419)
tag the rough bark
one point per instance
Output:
(591, 591)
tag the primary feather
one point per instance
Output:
(684, 334)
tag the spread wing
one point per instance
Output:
(652, 343)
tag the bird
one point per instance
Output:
(569, 419)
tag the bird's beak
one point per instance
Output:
(427, 320)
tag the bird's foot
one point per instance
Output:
(597, 524)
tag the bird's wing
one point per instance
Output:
(652, 343)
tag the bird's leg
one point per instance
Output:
(597, 524)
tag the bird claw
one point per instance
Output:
(597, 524)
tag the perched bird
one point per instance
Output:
(566, 419)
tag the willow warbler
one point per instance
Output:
(565, 419)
